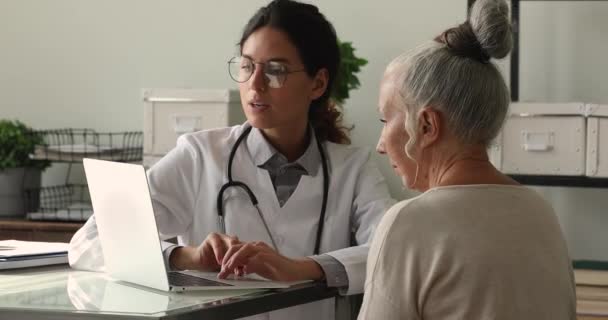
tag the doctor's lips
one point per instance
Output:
(258, 105)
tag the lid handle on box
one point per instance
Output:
(537, 141)
(186, 123)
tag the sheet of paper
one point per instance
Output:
(15, 248)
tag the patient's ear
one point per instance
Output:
(430, 125)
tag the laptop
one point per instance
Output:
(129, 236)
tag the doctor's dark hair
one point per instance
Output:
(454, 74)
(317, 44)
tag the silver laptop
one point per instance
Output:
(129, 235)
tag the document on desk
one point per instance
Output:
(21, 254)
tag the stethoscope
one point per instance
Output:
(254, 200)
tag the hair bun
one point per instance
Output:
(489, 20)
(487, 33)
(461, 41)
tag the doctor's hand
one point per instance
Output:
(260, 258)
(206, 257)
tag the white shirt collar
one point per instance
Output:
(262, 151)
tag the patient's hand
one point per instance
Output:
(206, 257)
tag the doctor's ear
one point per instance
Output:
(430, 124)
(319, 84)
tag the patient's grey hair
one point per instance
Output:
(454, 74)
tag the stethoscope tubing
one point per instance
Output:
(254, 200)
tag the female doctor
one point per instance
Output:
(281, 195)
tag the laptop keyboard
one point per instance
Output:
(178, 279)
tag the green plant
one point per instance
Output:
(17, 143)
(347, 80)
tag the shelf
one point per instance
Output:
(561, 181)
(72, 145)
(21, 224)
(25, 230)
(69, 202)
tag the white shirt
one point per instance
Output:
(185, 183)
(470, 252)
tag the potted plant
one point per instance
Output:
(347, 80)
(18, 171)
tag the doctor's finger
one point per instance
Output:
(238, 268)
(219, 248)
(230, 252)
(265, 246)
(265, 265)
(226, 269)
(207, 256)
(230, 241)
(241, 257)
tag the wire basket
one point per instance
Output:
(72, 145)
(70, 202)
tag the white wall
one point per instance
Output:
(75, 63)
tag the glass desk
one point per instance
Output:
(62, 293)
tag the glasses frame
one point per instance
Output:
(282, 78)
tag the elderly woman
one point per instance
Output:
(475, 244)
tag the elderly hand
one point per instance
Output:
(258, 257)
(206, 257)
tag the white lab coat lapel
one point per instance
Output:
(242, 219)
(294, 226)
(298, 218)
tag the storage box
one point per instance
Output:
(542, 139)
(597, 140)
(169, 113)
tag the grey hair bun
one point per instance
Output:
(489, 20)
(487, 34)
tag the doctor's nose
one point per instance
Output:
(258, 80)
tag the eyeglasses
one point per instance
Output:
(242, 68)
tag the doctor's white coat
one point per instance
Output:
(185, 183)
